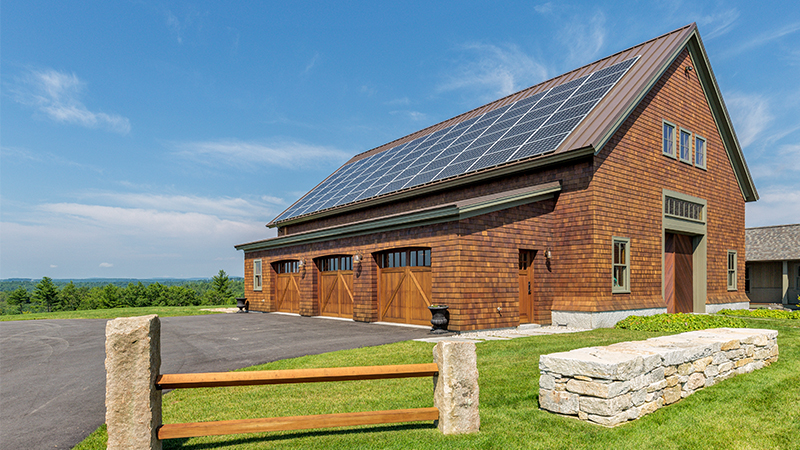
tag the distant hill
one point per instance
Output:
(11, 284)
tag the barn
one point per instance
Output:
(615, 189)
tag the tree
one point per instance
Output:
(19, 297)
(70, 297)
(46, 293)
(221, 290)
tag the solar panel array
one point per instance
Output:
(529, 127)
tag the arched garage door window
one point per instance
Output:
(336, 286)
(404, 286)
(287, 287)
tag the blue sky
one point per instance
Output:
(145, 139)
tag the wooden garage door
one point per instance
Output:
(404, 289)
(287, 287)
(678, 273)
(336, 286)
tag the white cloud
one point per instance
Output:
(413, 115)
(583, 38)
(286, 154)
(58, 95)
(500, 70)
(750, 114)
(106, 265)
(777, 205)
(53, 266)
(544, 8)
(720, 23)
(44, 157)
(765, 38)
(223, 206)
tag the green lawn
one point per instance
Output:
(760, 410)
(113, 313)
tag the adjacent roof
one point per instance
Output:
(778, 243)
(643, 66)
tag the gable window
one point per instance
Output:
(731, 270)
(684, 209)
(686, 146)
(257, 275)
(699, 152)
(668, 146)
(621, 265)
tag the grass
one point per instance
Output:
(753, 411)
(162, 311)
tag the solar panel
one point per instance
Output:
(529, 127)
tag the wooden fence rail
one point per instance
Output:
(262, 377)
(134, 389)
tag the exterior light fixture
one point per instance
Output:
(688, 69)
(301, 264)
(357, 258)
(548, 254)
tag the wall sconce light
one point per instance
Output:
(301, 264)
(688, 69)
(357, 258)
(548, 254)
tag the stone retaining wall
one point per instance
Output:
(611, 385)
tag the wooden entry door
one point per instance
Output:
(526, 304)
(404, 295)
(678, 273)
(336, 293)
(287, 293)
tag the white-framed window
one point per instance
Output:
(731, 270)
(699, 152)
(620, 265)
(257, 279)
(668, 141)
(685, 145)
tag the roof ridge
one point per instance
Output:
(774, 226)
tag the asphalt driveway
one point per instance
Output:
(52, 374)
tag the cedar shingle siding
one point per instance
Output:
(613, 191)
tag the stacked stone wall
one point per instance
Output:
(620, 382)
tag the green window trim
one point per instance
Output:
(668, 139)
(685, 146)
(257, 276)
(732, 256)
(620, 265)
(700, 152)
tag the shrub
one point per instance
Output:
(766, 313)
(678, 323)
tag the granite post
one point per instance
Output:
(455, 388)
(133, 404)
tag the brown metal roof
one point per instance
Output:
(655, 56)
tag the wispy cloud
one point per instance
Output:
(106, 265)
(583, 38)
(44, 157)
(413, 115)
(286, 154)
(58, 95)
(311, 64)
(544, 8)
(496, 70)
(719, 23)
(763, 39)
(751, 115)
(777, 205)
(220, 206)
(178, 26)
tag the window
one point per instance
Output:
(686, 146)
(747, 278)
(621, 265)
(257, 275)
(699, 152)
(287, 266)
(414, 257)
(334, 263)
(668, 146)
(731, 270)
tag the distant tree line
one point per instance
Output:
(25, 296)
